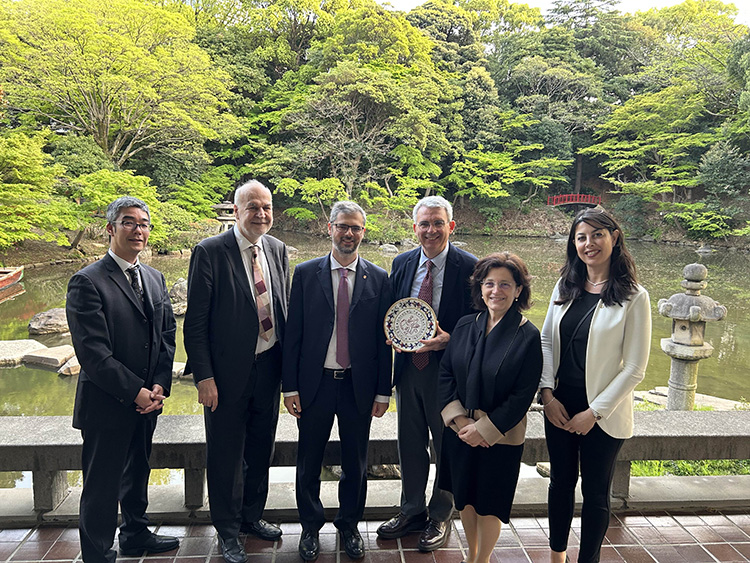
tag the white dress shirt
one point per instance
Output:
(125, 265)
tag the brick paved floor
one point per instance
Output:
(634, 538)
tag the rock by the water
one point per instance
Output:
(50, 357)
(178, 291)
(458, 243)
(178, 296)
(291, 250)
(388, 249)
(13, 351)
(409, 243)
(178, 369)
(53, 321)
(71, 367)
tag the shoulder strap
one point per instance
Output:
(576, 329)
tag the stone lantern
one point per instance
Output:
(689, 312)
(225, 214)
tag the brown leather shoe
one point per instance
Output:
(434, 535)
(399, 526)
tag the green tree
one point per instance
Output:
(30, 208)
(123, 71)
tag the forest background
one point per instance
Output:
(485, 102)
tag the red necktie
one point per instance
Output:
(342, 320)
(425, 294)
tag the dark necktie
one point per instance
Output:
(263, 303)
(342, 320)
(425, 294)
(135, 283)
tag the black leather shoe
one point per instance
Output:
(153, 544)
(309, 545)
(261, 529)
(354, 546)
(399, 526)
(232, 550)
(433, 536)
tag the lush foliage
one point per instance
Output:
(483, 101)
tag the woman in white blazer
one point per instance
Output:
(595, 342)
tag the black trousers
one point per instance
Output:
(115, 469)
(596, 453)
(240, 437)
(334, 398)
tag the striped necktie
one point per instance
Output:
(263, 303)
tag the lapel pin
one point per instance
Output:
(364, 277)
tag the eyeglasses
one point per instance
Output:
(131, 225)
(437, 225)
(490, 285)
(342, 228)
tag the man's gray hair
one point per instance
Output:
(239, 192)
(346, 207)
(114, 208)
(433, 202)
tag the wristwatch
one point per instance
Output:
(597, 416)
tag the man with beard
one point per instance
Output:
(337, 364)
(234, 326)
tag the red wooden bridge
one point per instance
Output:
(577, 199)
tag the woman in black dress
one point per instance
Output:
(488, 378)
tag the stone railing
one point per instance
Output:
(49, 446)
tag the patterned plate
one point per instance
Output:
(407, 322)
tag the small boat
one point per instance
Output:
(9, 276)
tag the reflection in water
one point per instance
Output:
(35, 392)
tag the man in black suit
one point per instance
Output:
(234, 325)
(123, 331)
(439, 273)
(337, 364)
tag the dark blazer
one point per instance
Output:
(455, 300)
(121, 343)
(221, 322)
(516, 382)
(310, 327)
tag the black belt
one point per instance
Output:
(338, 373)
(265, 353)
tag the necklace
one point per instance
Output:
(597, 284)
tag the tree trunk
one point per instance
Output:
(579, 173)
(77, 239)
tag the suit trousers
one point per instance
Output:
(115, 468)
(240, 436)
(334, 398)
(418, 417)
(597, 452)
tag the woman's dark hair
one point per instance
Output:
(622, 278)
(517, 268)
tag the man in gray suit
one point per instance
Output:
(234, 325)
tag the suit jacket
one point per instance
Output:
(619, 342)
(121, 343)
(221, 322)
(507, 397)
(455, 300)
(310, 327)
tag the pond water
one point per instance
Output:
(25, 391)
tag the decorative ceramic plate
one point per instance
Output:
(407, 322)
